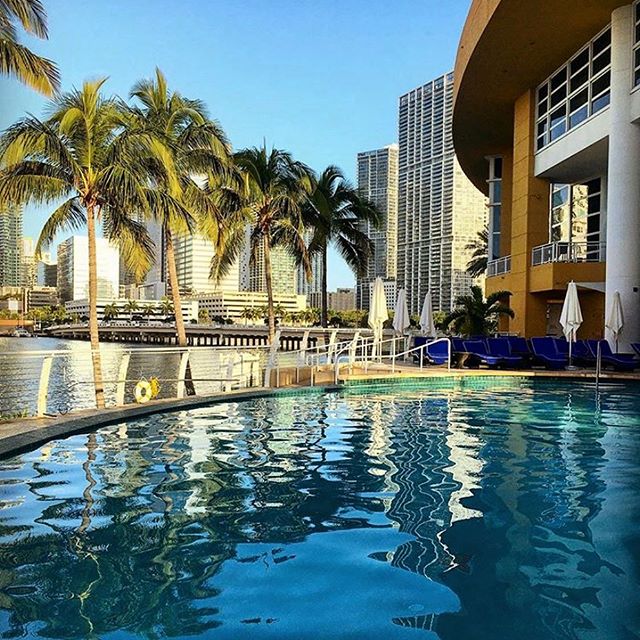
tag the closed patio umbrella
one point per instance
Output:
(401, 319)
(615, 320)
(426, 317)
(571, 315)
(378, 313)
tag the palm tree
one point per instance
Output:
(337, 214)
(475, 316)
(275, 190)
(149, 310)
(111, 311)
(479, 247)
(76, 161)
(248, 313)
(203, 316)
(16, 59)
(196, 145)
(131, 306)
(166, 305)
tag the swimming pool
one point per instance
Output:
(474, 509)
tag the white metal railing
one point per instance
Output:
(377, 355)
(499, 266)
(55, 382)
(569, 252)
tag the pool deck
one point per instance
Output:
(25, 434)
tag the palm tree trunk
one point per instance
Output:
(93, 310)
(177, 308)
(175, 289)
(324, 302)
(268, 278)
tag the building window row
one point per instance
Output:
(636, 44)
(495, 206)
(580, 89)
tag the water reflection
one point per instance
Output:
(448, 514)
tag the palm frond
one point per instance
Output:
(35, 71)
(30, 14)
(69, 216)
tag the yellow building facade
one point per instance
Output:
(545, 123)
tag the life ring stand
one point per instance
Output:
(143, 392)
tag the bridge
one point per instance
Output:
(204, 335)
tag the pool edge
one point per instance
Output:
(35, 432)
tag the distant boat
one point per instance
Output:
(21, 333)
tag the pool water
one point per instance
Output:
(500, 510)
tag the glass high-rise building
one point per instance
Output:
(378, 182)
(11, 247)
(306, 286)
(439, 210)
(73, 269)
(284, 273)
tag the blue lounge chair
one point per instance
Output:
(581, 354)
(562, 346)
(438, 353)
(501, 348)
(519, 346)
(479, 350)
(619, 361)
(457, 345)
(546, 353)
(636, 347)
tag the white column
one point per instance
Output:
(623, 199)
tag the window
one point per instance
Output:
(578, 90)
(636, 45)
(495, 206)
(575, 218)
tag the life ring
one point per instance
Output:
(143, 392)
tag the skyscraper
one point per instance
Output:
(314, 285)
(194, 254)
(283, 269)
(73, 269)
(154, 284)
(378, 182)
(11, 247)
(439, 210)
(46, 271)
(27, 263)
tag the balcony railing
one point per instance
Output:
(499, 266)
(569, 252)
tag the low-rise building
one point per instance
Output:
(231, 304)
(148, 309)
(38, 297)
(342, 299)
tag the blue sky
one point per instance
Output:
(320, 78)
